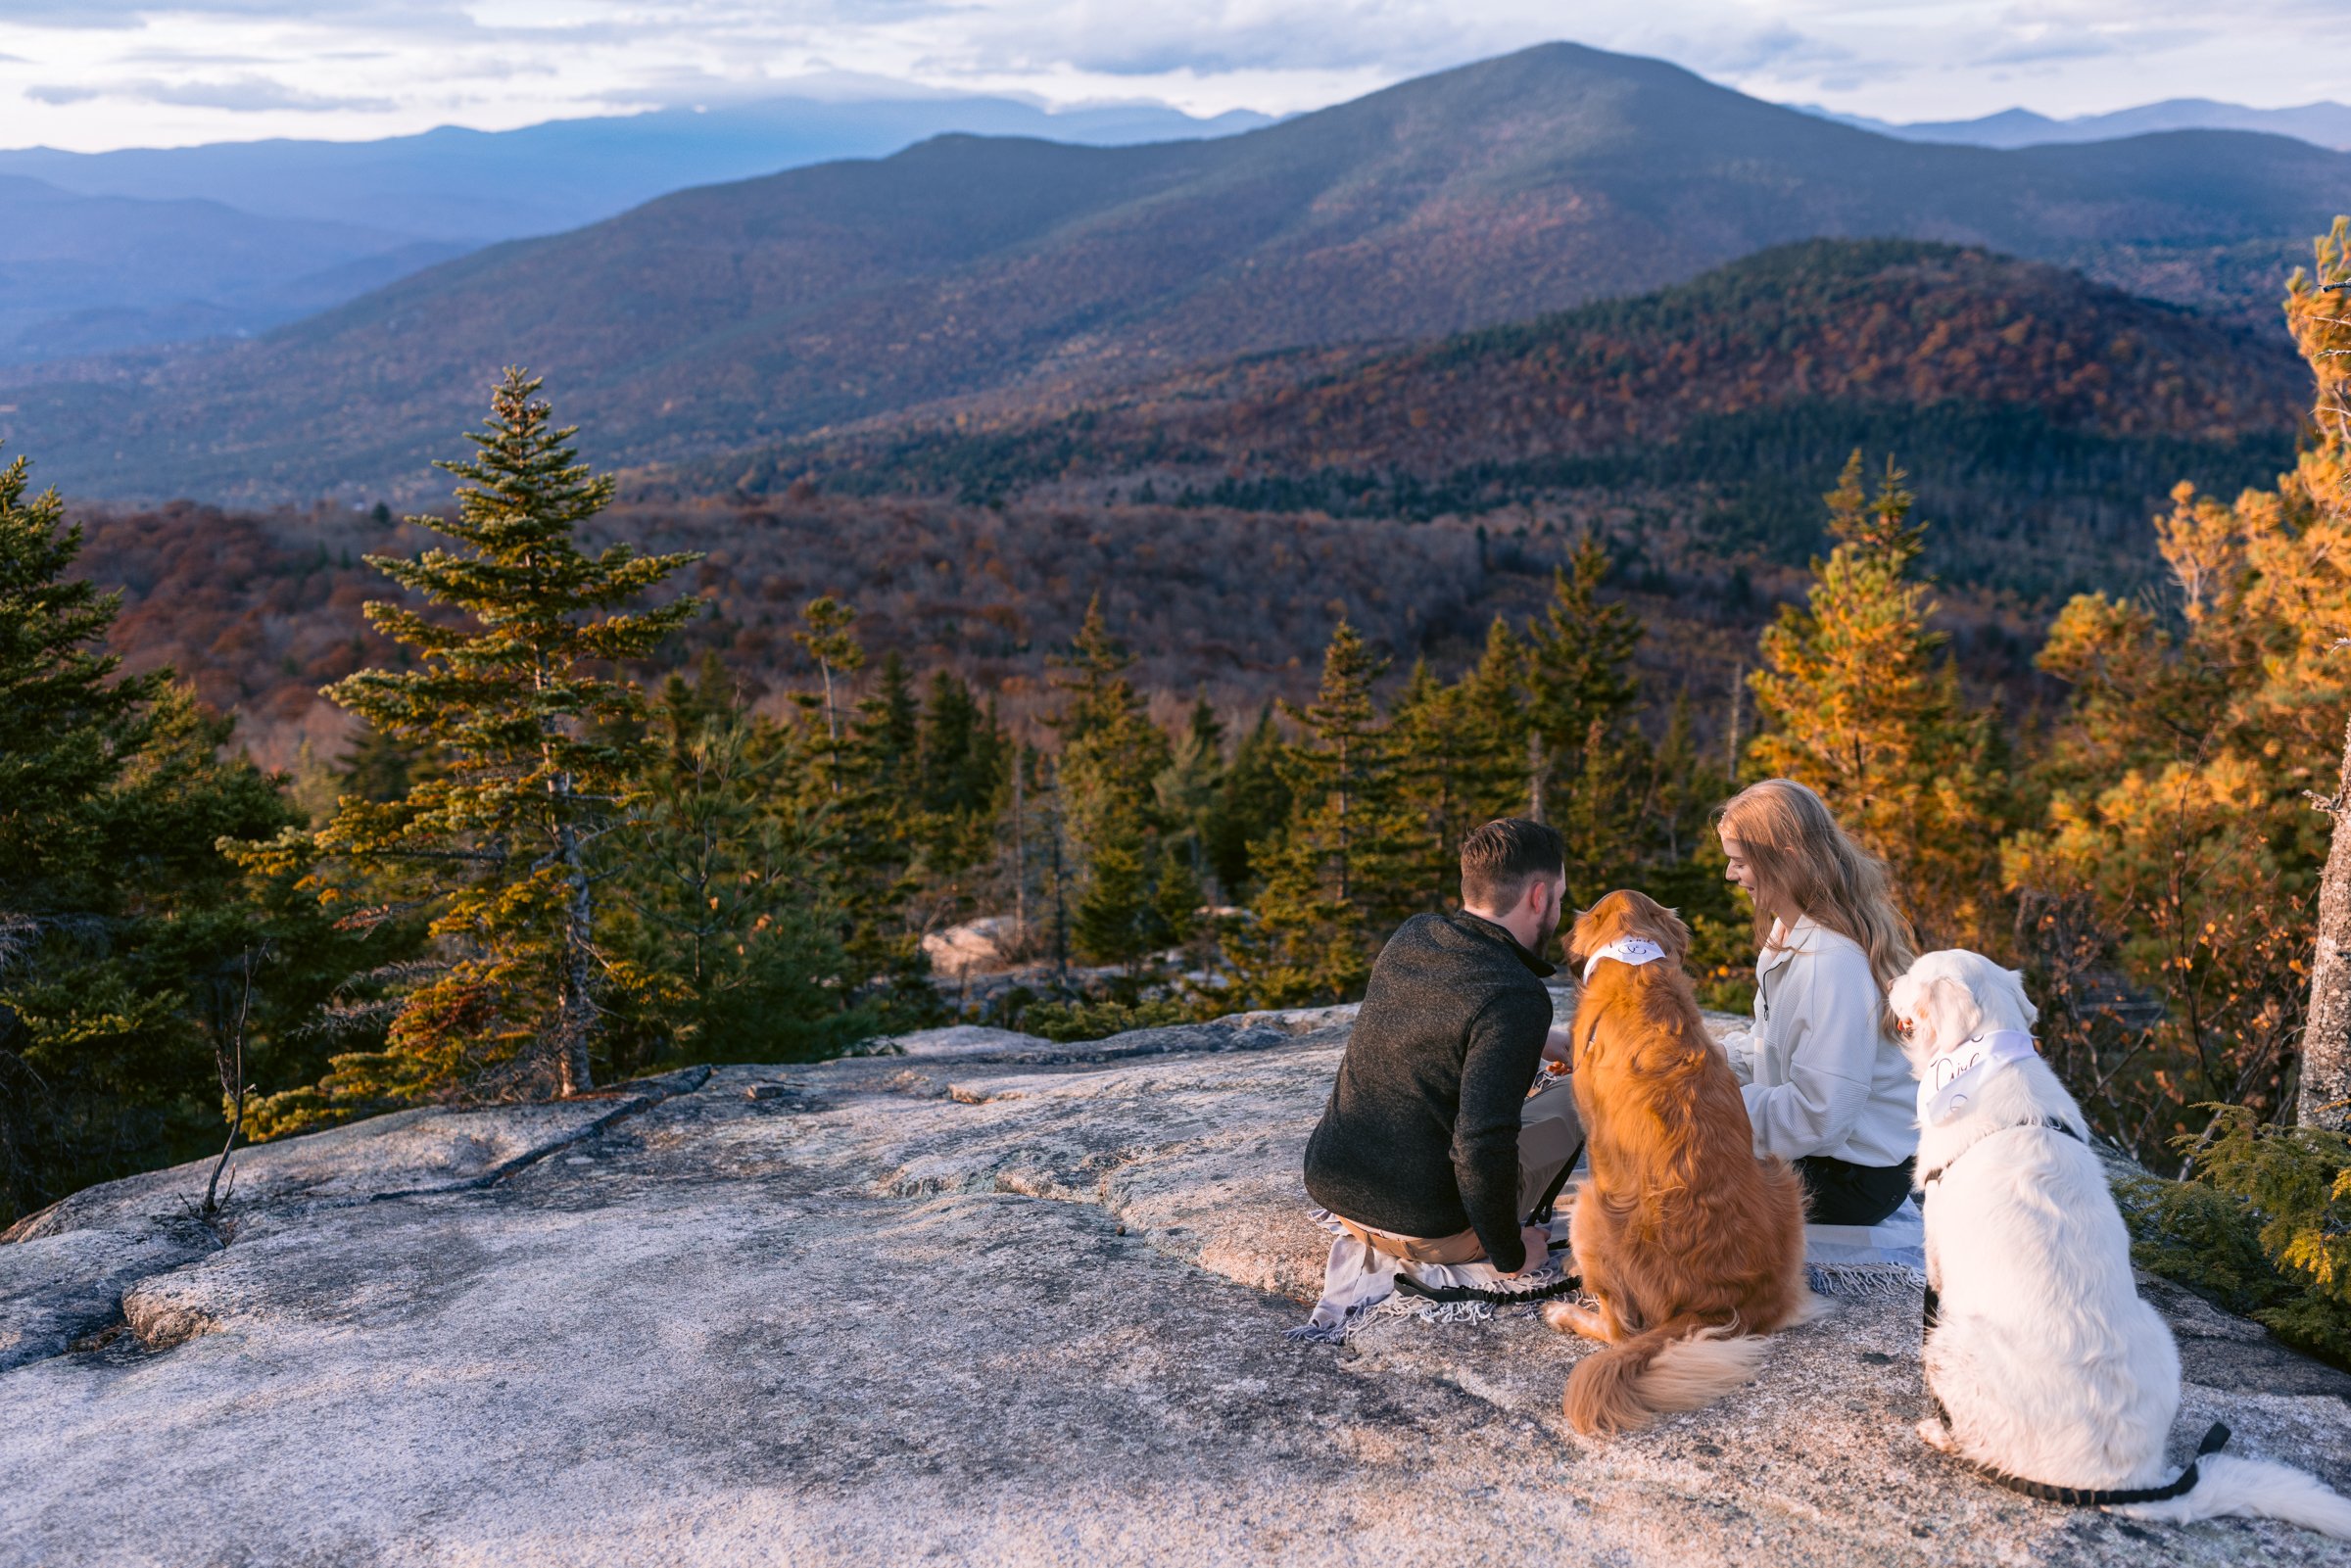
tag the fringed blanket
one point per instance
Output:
(1880, 1261)
(1887, 1261)
(1360, 1283)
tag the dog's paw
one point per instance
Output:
(1935, 1434)
(1573, 1317)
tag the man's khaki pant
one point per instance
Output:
(1549, 1135)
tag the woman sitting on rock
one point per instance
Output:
(1825, 1083)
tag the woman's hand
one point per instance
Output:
(1558, 1043)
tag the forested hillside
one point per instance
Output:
(734, 314)
(2049, 415)
(260, 610)
(1223, 514)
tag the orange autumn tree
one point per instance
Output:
(2176, 870)
(1860, 703)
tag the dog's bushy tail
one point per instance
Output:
(2226, 1485)
(1681, 1364)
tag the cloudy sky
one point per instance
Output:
(97, 73)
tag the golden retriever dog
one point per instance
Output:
(1690, 1245)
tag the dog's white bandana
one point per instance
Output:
(1957, 1076)
(1624, 950)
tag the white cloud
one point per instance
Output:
(99, 72)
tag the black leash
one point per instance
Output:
(2098, 1498)
(1559, 1183)
(1500, 1298)
(1934, 1175)
(1448, 1294)
(1931, 1312)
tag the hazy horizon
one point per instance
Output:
(99, 74)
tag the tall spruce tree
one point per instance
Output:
(1587, 760)
(1112, 757)
(1342, 871)
(827, 639)
(1426, 721)
(963, 763)
(538, 757)
(1489, 749)
(1249, 803)
(1858, 702)
(1112, 754)
(878, 819)
(726, 938)
(1579, 681)
(123, 922)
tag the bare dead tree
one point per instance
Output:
(228, 1057)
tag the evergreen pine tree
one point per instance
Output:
(726, 941)
(880, 822)
(121, 919)
(1859, 704)
(1110, 923)
(1186, 790)
(1111, 754)
(1249, 803)
(1428, 722)
(1579, 681)
(69, 722)
(827, 640)
(1490, 747)
(1177, 895)
(1112, 758)
(962, 763)
(534, 764)
(1342, 871)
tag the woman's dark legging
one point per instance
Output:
(1842, 1193)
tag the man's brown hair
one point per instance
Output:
(1498, 859)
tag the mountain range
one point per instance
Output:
(978, 271)
(147, 246)
(471, 187)
(2324, 124)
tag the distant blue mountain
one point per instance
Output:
(2324, 124)
(472, 187)
(146, 247)
(86, 275)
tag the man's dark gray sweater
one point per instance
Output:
(1421, 1133)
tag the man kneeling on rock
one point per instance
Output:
(1432, 1149)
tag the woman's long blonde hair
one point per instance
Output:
(1805, 862)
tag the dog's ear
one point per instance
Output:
(1596, 928)
(1582, 936)
(2015, 981)
(1942, 1012)
(1668, 931)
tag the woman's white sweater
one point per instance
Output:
(1821, 1075)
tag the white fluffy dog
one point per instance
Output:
(2048, 1365)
